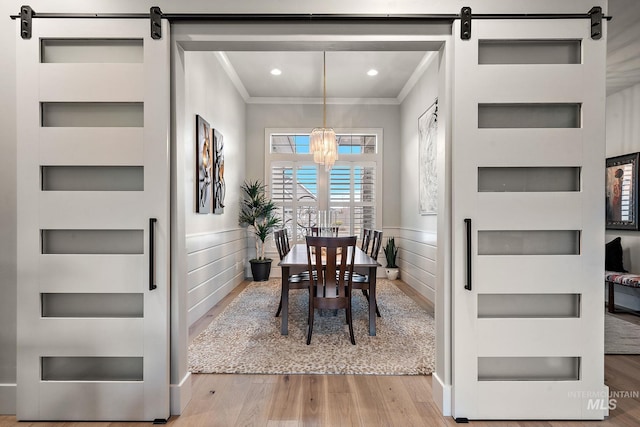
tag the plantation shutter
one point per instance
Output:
(294, 189)
(352, 188)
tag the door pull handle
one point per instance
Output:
(467, 222)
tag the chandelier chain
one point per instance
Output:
(324, 89)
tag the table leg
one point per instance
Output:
(372, 300)
(284, 314)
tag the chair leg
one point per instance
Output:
(310, 328)
(366, 295)
(279, 307)
(350, 322)
(310, 320)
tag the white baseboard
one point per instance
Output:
(8, 399)
(441, 395)
(180, 395)
(201, 308)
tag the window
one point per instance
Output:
(352, 195)
(300, 188)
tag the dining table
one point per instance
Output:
(296, 261)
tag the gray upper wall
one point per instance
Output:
(421, 97)
(210, 94)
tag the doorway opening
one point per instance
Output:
(398, 171)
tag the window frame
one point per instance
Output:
(343, 160)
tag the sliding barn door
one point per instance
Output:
(528, 225)
(93, 221)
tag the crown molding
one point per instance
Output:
(231, 73)
(426, 61)
(318, 101)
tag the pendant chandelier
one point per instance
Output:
(323, 143)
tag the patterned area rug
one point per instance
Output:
(245, 338)
(620, 336)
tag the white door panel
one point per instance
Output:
(93, 161)
(548, 211)
(92, 337)
(123, 398)
(528, 336)
(118, 273)
(543, 273)
(527, 146)
(535, 397)
(97, 209)
(534, 237)
(92, 82)
(92, 146)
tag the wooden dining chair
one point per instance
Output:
(364, 245)
(361, 279)
(296, 281)
(315, 231)
(376, 242)
(366, 239)
(282, 242)
(331, 259)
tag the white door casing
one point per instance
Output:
(522, 341)
(60, 281)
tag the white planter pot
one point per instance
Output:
(392, 273)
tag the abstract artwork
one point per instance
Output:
(204, 166)
(427, 157)
(219, 188)
(622, 192)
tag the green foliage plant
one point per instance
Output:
(391, 252)
(258, 212)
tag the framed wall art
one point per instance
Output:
(622, 192)
(427, 161)
(204, 166)
(219, 188)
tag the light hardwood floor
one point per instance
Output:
(348, 400)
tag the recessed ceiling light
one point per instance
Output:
(276, 72)
(372, 72)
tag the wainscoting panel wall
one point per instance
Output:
(416, 259)
(215, 265)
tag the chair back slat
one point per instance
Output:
(328, 256)
(285, 241)
(366, 239)
(282, 242)
(376, 243)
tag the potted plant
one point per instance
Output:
(258, 212)
(391, 252)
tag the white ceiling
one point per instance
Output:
(301, 78)
(346, 73)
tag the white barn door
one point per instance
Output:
(93, 229)
(528, 221)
